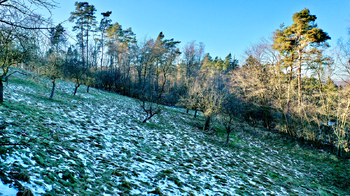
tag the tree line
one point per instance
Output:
(285, 83)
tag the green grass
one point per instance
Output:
(58, 130)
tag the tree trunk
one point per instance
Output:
(102, 49)
(149, 116)
(88, 89)
(228, 135)
(187, 110)
(82, 45)
(288, 99)
(146, 119)
(140, 77)
(207, 123)
(76, 89)
(53, 88)
(195, 113)
(87, 47)
(299, 80)
(339, 151)
(1, 91)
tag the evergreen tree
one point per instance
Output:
(57, 36)
(104, 24)
(300, 39)
(229, 63)
(85, 19)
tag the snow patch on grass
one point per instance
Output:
(96, 142)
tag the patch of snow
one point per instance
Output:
(330, 123)
(37, 189)
(6, 190)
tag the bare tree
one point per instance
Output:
(192, 54)
(76, 71)
(15, 46)
(342, 57)
(23, 14)
(53, 68)
(231, 110)
(159, 57)
(16, 18)
(205, 96)
(149, 102)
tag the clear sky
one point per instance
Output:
(224, 26)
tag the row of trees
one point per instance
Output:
(287, 82)
(284, 83)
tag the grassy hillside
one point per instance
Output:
(95, 144)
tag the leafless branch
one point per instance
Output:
(24, 27)
(6, 78)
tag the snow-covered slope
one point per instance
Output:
(95, 144)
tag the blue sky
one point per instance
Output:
(225, 26)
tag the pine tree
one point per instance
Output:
(85, 19)
(57, 36)
(296, 41)
(104, 24)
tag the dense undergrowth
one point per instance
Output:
(96, 144)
